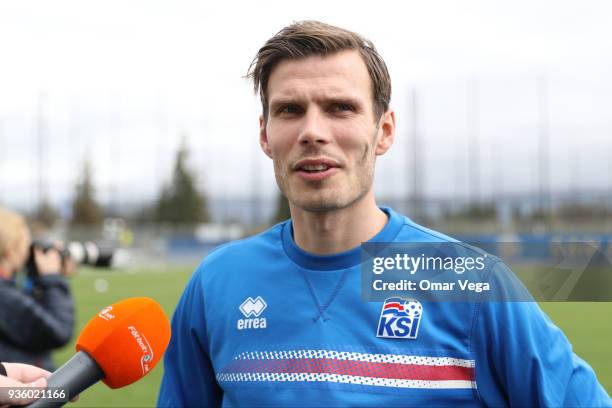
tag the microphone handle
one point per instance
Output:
(76, 375)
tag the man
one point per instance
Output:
(32, 323)
(277, 319)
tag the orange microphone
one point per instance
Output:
(119, 346)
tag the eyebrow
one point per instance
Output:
(283, 101)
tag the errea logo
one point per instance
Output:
(252, 309)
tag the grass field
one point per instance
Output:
(588, 326)
(165, 286)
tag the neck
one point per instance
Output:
(331, 232)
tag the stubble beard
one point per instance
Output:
(319, 196)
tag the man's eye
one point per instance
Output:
(342, 107)
(291, 109)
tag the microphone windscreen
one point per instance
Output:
(126, 339)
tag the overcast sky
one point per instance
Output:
(122, 82)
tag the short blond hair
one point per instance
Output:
(12, 229)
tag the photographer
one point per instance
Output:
(32, 323)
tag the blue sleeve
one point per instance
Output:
(523, 359)
(189, 378)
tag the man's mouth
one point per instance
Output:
(315, 164)
(314, 168)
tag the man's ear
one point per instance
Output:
(263, 137)
(386, 132)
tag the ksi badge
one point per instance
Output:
(399, 318)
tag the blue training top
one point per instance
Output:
(263, 323)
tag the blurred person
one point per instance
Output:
(15, 375)
(277, 319)
(33, 322)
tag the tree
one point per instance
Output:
(180, 202)
(45, 214)
(85, 209)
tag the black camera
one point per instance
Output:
(82, 253)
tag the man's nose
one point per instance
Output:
(313, 130)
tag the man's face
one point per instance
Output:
(321, 131)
